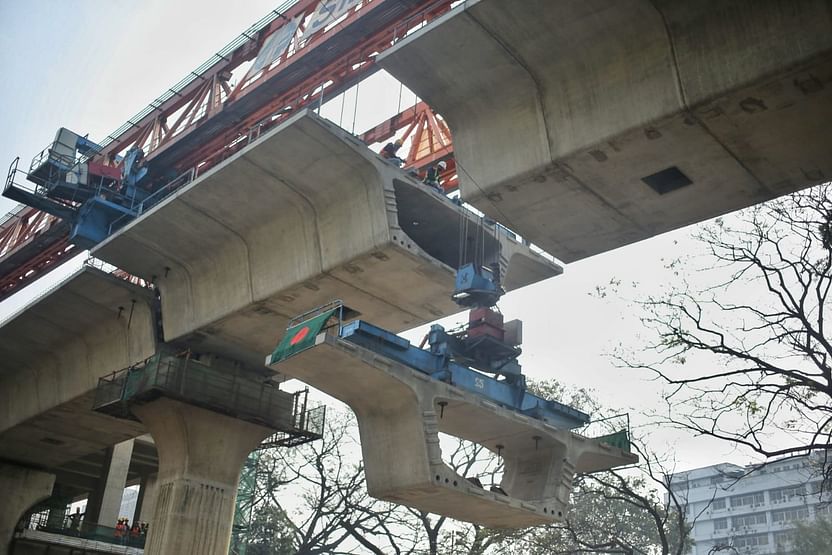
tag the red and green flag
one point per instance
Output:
(301, 336)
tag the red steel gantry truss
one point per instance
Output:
(218, 109)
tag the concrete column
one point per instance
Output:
(21, 488)
(146, 503)
(201, 454)
(104, 503)
(57, 503)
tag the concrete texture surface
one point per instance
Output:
(148, 491)
(21, 488)
(83, 475)
(201, 454)
(52, 353)
(400, 442)
(104, 503)
(304, 215)
(559, 110)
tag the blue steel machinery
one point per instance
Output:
(480, 358)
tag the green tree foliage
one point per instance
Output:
(813, 537)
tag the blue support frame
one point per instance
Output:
(513, 396)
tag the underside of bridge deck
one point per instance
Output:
(590, 124)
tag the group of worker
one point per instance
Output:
(433, 175)
(125, 532)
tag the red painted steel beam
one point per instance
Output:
(430, 141)
(43, 262)
(188, 104)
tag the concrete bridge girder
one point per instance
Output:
(595, 96)
(304, 215)
(51, 355)
(401, 448)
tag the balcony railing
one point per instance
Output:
(188, 380)
(82, 529)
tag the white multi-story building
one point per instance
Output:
(752, 509)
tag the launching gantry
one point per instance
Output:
(466, 384)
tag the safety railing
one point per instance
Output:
(221, 57)
(17, 179)
(613, 430)
(12, 214)
(422, 18)
(307, 424)
(43, 177)
(76, 526)
(140, 207)
(337, 305)
(50, 155)
(183, 378)
(98, 264)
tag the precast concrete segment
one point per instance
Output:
(21, 488)
(561, 110)
(52, 353)
(201, 455)
(400, 442)
(304, 215)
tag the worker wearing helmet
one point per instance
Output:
(389, 153)
(434, 174)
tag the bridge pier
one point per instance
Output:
(105, 502)
(146, 503)
(22, 487)
(201, 455)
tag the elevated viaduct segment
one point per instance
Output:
(304, 215)
(301, 216)
(52, 353)
(587, 125)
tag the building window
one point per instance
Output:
(680, 486)
(785, 495)
(750, 499)
(718, 504)
(751, 541)
(784, 538)
(720, 524)
(749, 520)
(789, 515)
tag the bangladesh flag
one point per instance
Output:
(301, 336)
(618, 439)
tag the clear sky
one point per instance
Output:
(89, 65)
